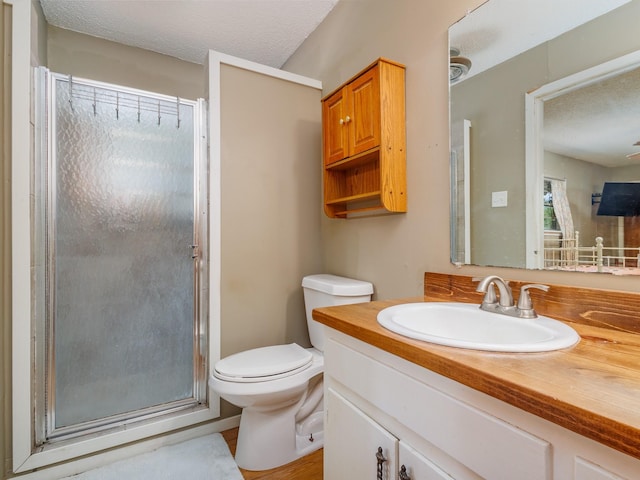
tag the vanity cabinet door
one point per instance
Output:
(352, 440)
(417, 466)
(586, 470)
(354, 443)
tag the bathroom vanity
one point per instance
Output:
(451, 413)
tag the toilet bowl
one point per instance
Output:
(280, 388)
(274, 427)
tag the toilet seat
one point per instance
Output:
(263, 364)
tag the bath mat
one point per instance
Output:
(203, 458)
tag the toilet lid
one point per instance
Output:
(265, 363)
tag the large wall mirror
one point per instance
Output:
(545, 135)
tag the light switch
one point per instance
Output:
(499, 199)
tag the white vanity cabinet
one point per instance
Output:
(440, 429)
(361, 448)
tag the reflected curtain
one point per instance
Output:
(562, 211)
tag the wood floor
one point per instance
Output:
(305, 468)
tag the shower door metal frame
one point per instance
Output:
(44, 181)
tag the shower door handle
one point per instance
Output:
(195, 253)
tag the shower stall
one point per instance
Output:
(121, 222)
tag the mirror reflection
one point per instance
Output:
(543, 137)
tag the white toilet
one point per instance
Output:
(280, 387)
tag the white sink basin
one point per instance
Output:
(464, 325)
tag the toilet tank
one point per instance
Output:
(326, 290)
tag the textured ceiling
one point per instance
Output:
(264, 31)
(501, 29)
(599, 123)
(269, 32)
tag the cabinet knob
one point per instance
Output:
(402, 474)
(347, 119)
(341, 121)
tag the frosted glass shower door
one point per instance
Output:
(122, 320)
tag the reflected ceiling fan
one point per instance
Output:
(458, 66)
(633, 156)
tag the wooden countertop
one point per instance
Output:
(592, 388)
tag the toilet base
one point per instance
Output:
(270, 439)
(310, 434)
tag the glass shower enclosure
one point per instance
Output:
(120, 198)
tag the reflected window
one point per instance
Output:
(550, 220)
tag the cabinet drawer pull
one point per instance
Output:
(380, 459)
(403, 475)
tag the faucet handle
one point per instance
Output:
(525, 305)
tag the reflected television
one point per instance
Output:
(620, 199)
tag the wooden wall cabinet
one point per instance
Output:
(364, 143)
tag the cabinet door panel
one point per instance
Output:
(335, 129)
(352, 440)
(588, 471)
(364, 123)
(418, 466)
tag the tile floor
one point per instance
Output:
(204, 458)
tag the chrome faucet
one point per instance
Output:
(505, 304)
(490, 301)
